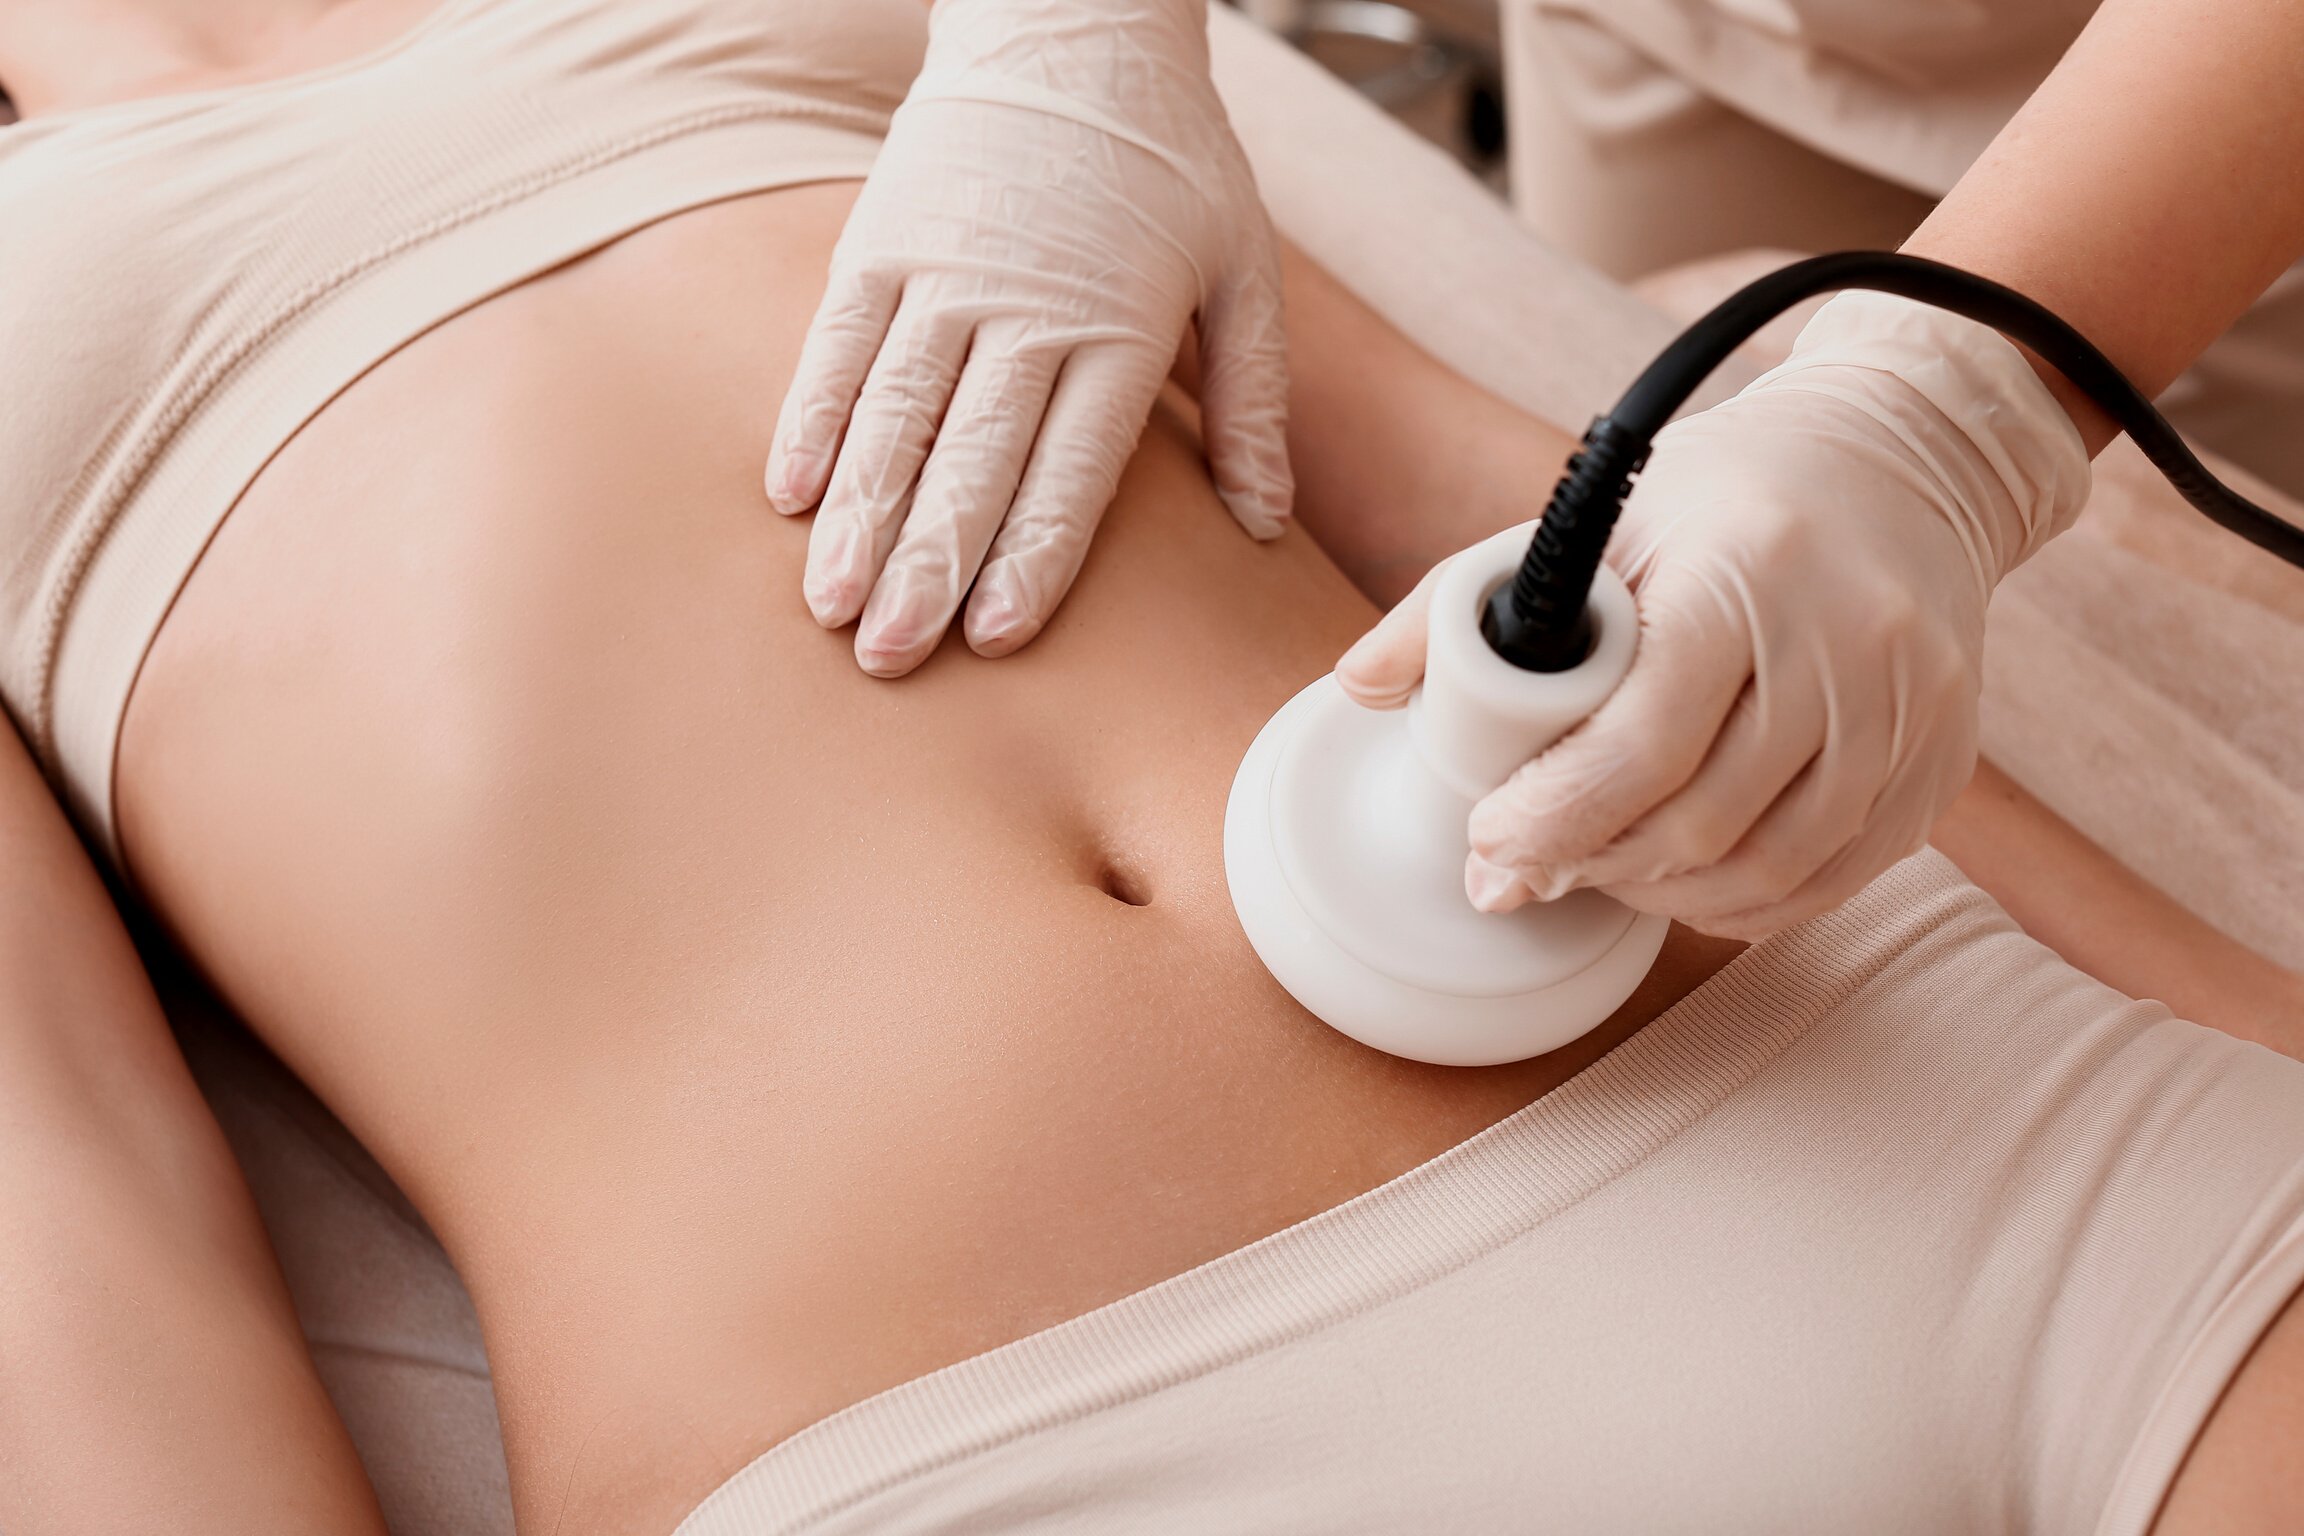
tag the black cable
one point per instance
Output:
(1537, 621)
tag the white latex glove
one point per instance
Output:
(1812, 561)
(1059, 198)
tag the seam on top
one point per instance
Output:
(141, 454)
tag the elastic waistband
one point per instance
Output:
(1395, 1239)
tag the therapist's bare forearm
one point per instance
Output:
(1399, 461)
(2149, 191)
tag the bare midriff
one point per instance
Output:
(756, 1035)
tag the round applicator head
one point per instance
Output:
(1344, 845)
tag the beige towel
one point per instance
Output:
(2144, 677)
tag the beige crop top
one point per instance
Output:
(185, 281)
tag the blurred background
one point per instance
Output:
(1434, 64)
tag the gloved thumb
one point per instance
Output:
(1384, 665)
(1244, 400)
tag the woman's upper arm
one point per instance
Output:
(74, 1001)
(156, 1374)
(83, 1041)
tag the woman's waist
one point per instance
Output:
(523, 845)
(695, 983)
(506, 653)
(730, 1124)
(726, 1202)
(496, 764)
(739, 1018)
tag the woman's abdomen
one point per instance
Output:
(757, 1034)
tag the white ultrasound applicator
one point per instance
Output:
(1344, 844)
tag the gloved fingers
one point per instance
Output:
(1769, 736)
(1822, 812)
(888, 439)
(1101, 401)
(1644, 743)
(1384, 665)
(965, 492)
(1899, 828)
(1841, 876)
(1818, 893)
(1869, 798)
(843, 340)
(1244, 401)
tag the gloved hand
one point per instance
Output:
(1058, 198)
(1812, 561)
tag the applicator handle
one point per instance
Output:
(1477, 717)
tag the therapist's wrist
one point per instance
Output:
(1956, 244)
(1136, 70)
(1975, 397)
(1073, 24)
(2096, 429)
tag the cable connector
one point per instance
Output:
(1538, 621)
